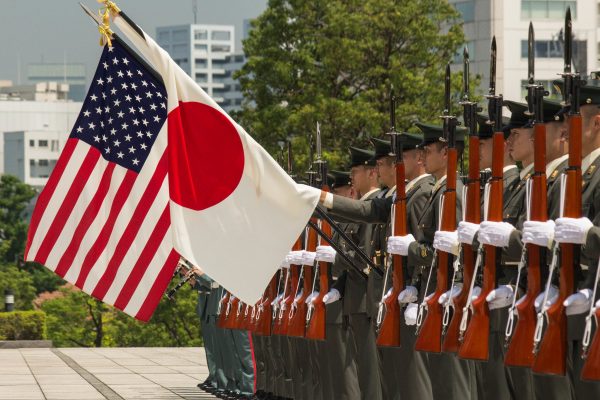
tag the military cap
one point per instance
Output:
(338, 178)
(588, 94)
(383, 147)
(518, 116)
(361, 157)
(554, 111)
(410, 141)
(433, 133)
(486, 131)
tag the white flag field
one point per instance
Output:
(154, 169)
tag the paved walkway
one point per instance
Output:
(105, 373)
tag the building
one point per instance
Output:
(41, 91)
(72, 74)
(207, 54)
(508, 20)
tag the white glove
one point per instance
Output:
(388, 293)
(410, 294)
(285, 263)
(277, 300)
(410, 314)
(500, 297)
(475, 293)
(466, 231)
(552, 296)
(399, 244)
(331, 296)
(447, 242)
(455, 292)
(298, 296)
(294, 257)
(308, 258)
(579, 302)
(311, 299)
(522, 299)
(325, 253)
(539, 233)
(597, 304)
(572, 230)
(495, 233)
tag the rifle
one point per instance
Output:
(388, 324)
(316, 313)
(472, 213)
(262, 318)
(475, 335)
(430, 334)
(591, 367)
(291, 281)
(282, 285)
(223, 309)
(520, 349)
(552, 355)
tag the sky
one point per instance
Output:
(55, 30)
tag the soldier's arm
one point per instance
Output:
(369, 211)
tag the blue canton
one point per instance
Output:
(124, 110)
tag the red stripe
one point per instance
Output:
(132, 229)
(98, 247)
(253, 359)
(140, 267)
(48, 191)
(157, 290)
(68, 204)
(86, 220)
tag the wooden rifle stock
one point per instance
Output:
(473, 214)
(591, 367)
(223, 303)
(263, 318)
(476, 340)
(297, 313)
(552, 355)
(389, 330)
(430, 335)
(281, 319)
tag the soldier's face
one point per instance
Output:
(557, 144)
(413, 159)
(386, 171)
(485, 153)
(520, 144)
(360, 177)
(435, 158)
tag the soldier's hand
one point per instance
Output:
(500, 297)
(331, 296)
(294, 257)
(572, 230)
(539, 233)
(447, 242)
(466, 232)
(455, 292)
(399, 244)
(408, 295)
(308, 258)
(495, 234)
(410, 314)
(326, 254)
(475, 293)
(552, 296)
(579, 302)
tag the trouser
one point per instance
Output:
(367, 359)
(451, 377)
(342, 367)
(208, 332)
(299, 368)
(245, 370)
(261, 355)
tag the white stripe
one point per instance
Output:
(154, 268)
(139, 187)
(60, 192)
(142, 237)
(96, 226)
(69, 226)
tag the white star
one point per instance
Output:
(139, 72)
(104, 95)
(102, 124)
(117, 143)
(124, 126)
(156, 118)
(107, 150)
(100, 81)
(110, 49)
(113, 91)
(149, 95)
(105, 65)
(153, 85)
(123, 85)
(144, 83)
(79, 129)
(113, 131)
(132, 149)
(128, 137)
(125, 61)
(128, 97)
(135, 161)
(86, 113)
(129, 74)
(132, 110)
(143, 146)
(140, 134)
(162, 105)
(117, 102)
(120, 154)
(145, 122)
(99, 110)
(110, 120)
(120, 114)
(138, 98)
(149, 134)
(106, 110)
(133, 86)
(92, 125)
(120, 73)
(153, 107)
(142, 110)
(97, 138)
(94, 97)
(136, 122)
(109, 79)
(104, 138)
(159, 94)
(115, 60)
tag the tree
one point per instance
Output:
(15, 196)
(20, 282)
(334, 61)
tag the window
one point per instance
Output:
(547, 9)
(554, 49)
(43, 163)
(42, 143)
(32, 143)
(201, 34)
(220, 48)
(32, 162)
(466, 10)
(164, 36)
(201, 47)
(548, 85)
(54, 145)
(201, 77)
(221, 35)
(180, 36)
(201, 63)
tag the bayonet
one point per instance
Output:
(495, 102)
(492, 89)
(318, 143)
(535, 92)
(320, 162)
(395, 144)
(450, 121)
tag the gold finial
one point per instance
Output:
(110, 6)
(109, 9)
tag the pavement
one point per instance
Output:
(102, 373)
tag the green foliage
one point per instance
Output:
(14, 198)
(21, 282)
(22, 325)
(76, 319)
(334, 62)
(44, 280)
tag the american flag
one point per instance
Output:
(102, 221)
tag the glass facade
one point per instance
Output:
(547, 9)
